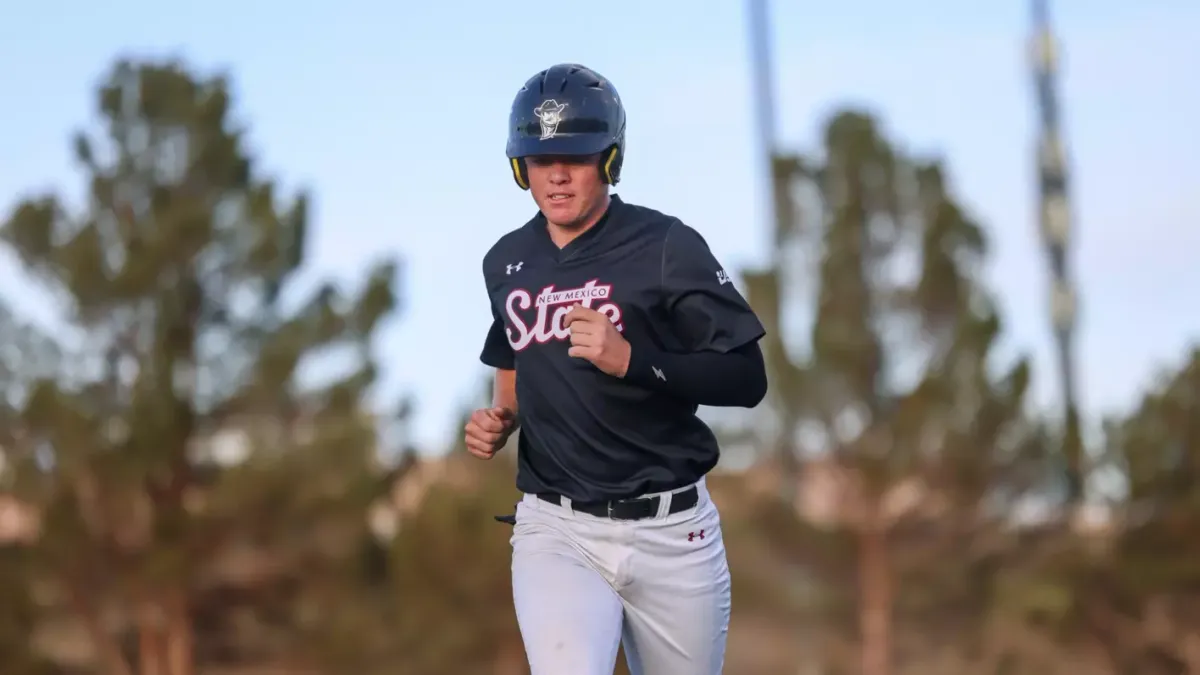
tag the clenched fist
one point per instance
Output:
(595, 338)
(488, 430)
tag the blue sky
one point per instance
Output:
(395, 114)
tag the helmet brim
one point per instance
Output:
(571, 145)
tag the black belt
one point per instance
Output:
(638, 508)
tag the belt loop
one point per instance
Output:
(664, 504)
(565, 502)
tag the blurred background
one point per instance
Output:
(241, 309)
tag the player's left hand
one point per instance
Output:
(595, 338)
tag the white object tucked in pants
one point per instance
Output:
(582, 585)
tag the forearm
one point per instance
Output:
(727, 379)
(504, 390)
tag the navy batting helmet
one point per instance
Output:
(567, 110)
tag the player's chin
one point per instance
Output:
(562, 211)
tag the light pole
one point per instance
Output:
(1055, 216)
(763, 80)
(765, 287)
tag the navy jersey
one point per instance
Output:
(585, 434)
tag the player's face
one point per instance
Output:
(568, 190)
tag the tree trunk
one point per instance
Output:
(875, 599)
(179, 637)
(151, 655)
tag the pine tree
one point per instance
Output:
(1137, 597)
(895, 389)
(201, 501)
(23, 350)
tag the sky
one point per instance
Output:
(394, 114)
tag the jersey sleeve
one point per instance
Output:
(707, 311)
(497, 352)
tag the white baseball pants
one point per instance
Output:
(582, 585)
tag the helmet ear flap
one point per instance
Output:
(610, 164)
(520, 173)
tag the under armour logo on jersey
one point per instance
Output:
(723, 278)
(658, 373)
(509, 269)
(693, 536)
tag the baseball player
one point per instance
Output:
(611, 323)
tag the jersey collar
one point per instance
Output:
(593, 234)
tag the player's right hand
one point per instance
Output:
(488, 430)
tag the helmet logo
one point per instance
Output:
(550, 115)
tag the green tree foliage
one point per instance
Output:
(896, 387)
(450, 578)
(24, 354)
(1159, 446)
(18, 618)
(1117, 593)
(185, 335)
(1137, 595)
